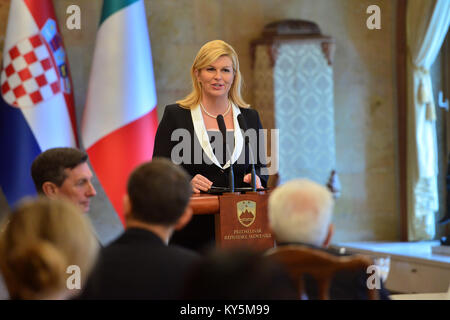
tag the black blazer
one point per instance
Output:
(138, 265)
(199, 233)
(176, 117)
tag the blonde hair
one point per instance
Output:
(301, 211)
(39, 240)
(207, 54)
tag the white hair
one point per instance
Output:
(300, 211)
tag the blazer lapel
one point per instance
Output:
(203, 138)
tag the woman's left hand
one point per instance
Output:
(248, 179)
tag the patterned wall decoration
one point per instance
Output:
(303, 83)
(297, 95)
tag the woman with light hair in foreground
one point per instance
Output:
(40, 240)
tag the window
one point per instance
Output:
(440, 75)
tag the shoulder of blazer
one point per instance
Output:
(177, 115)
(176, 109)
(247, 112)
(250, 113)
(251, 116)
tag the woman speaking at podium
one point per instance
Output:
(191, 135)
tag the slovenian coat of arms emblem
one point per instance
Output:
(246, 212)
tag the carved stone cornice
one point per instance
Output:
(276, 33)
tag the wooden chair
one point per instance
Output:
(300, 260)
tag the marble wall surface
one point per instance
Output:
(364, 86)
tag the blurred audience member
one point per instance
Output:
(40, 243)
(64, 172)
(238, 275)
(300, 212)
(140, 264)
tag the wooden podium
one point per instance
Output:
(240, 219)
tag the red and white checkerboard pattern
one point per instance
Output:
(29, 75)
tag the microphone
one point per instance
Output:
(223, 130)
(243, 125)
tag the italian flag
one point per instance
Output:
(120, 118)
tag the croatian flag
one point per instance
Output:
(120, 118)
(36, 102)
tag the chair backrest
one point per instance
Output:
(322, 266)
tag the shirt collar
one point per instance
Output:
(203, 138)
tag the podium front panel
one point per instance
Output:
(243, 221)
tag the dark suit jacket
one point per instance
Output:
(345, 285)
(199, 233)
(138, 265)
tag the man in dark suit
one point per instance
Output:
(300, 213)
(140, 264)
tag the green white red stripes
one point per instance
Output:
(120, 120)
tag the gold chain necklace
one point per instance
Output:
(215, 117)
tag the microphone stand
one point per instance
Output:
(252, 161)
(223, 130)
(230, 172)
(243, 125)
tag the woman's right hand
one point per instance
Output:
(200, 183)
